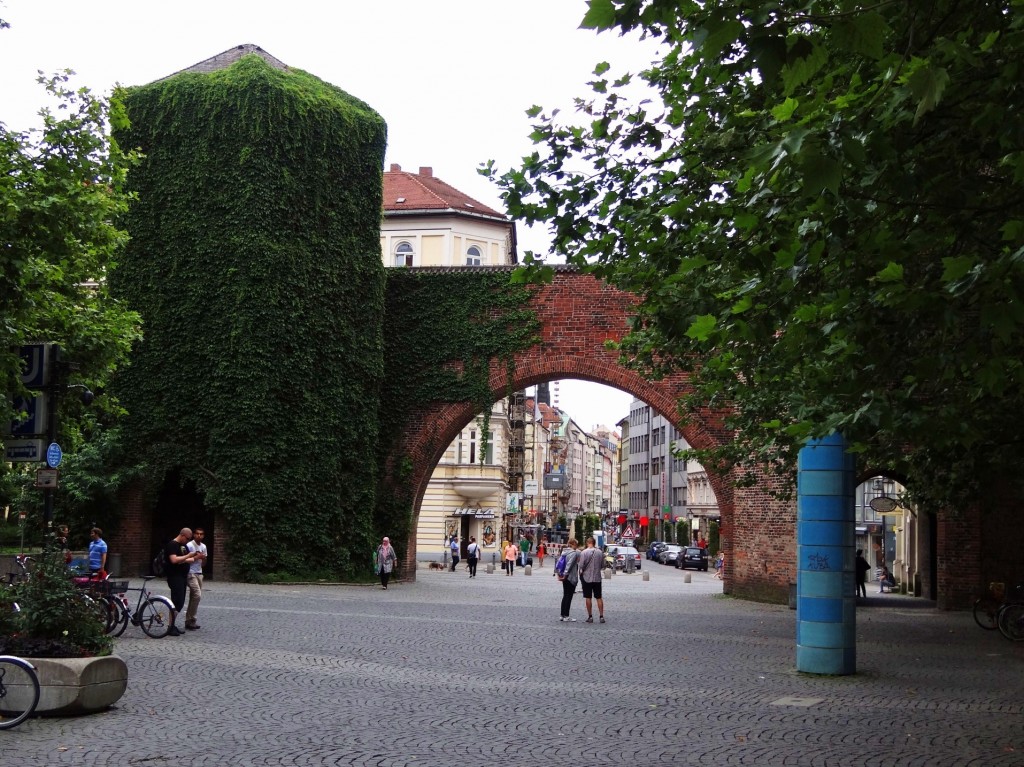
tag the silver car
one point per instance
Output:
(669, 554)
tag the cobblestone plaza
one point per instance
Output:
(449, 670)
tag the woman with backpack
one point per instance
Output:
(567, 570)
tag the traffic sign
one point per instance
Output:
(23, 450)
(54, 455)
(628, 532)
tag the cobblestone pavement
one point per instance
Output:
(471, 672)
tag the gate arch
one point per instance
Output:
(578, 314)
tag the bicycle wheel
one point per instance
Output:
(155, 616)
(118, 618)
(1011, 622)
(986, 612)
(19, 691)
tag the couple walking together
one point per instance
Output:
(582, 566)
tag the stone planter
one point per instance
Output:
(70, 686)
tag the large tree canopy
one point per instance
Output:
(821, 204)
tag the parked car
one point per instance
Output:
(618, 556)
(654, 549)
(693, 556)
(667, 556)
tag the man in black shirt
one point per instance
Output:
(177, 560)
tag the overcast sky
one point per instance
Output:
(452, 78)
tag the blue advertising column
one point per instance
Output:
(825, 596)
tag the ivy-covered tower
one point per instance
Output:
(255, 262)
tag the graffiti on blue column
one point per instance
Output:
(817, 562)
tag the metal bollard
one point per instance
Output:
(686, 578)
(647, 575)
(528, 570)
(490, 568)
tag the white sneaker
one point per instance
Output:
(568, 620)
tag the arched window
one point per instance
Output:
(474, 257)
(404, 254)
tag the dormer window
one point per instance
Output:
(404, 254)
(474, 257)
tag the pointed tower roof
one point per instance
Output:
(227, 58)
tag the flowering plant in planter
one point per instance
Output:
(54, 619)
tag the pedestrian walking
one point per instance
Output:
(542, 550)
(524, 549)
(177, 559)
(455, 551)
(472, 555)
(719, 564)
(567, 571)
(195, 577)
(861, 565)
(591, 562)
(386, 561)
(511, 552)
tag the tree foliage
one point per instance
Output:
(821, 206)
(62, 193)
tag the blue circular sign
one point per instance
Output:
(54, 455)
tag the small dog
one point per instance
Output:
(437, 566)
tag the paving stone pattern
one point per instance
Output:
(471, 672)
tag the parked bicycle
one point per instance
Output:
(152, 612)
(19, 691)
(996, 610)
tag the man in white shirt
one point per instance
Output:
(195, 578)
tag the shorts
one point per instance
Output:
(591, 590)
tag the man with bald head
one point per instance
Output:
(177, 559)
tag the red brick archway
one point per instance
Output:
(578, 314)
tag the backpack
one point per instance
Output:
(158, 564)
(560, 565)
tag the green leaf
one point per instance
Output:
(820, 173)
(892, 272)
(928, 83)
(701, 328)
(785, 110)
(600, 15)
(954, 268)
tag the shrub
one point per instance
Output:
(55, 620)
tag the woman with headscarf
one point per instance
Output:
(386, 561)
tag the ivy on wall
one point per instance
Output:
(444, 328)
(255, 263)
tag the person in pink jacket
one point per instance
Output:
(511, 552)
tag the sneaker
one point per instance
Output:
(191, 627)
(569, 620)
(602, 619)
(175, 632)
(590, 619)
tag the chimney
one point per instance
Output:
(429, 172)
(396, 168)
